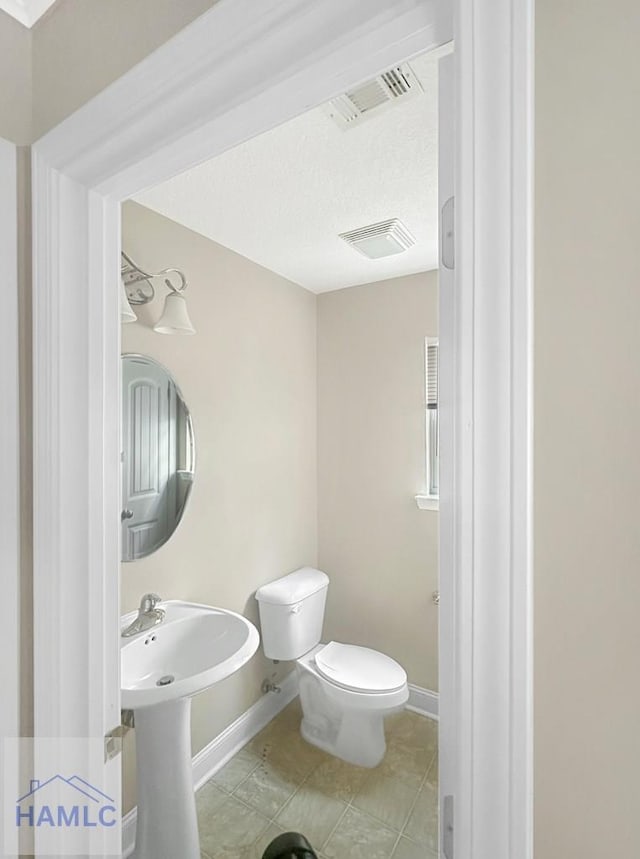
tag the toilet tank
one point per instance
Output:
(292, 612)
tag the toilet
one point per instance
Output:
(345, 690)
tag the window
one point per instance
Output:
(430, 499)
(433, 446)
(432, 431)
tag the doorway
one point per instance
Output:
(92, 161)
(310, 256)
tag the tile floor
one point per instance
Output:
(278, 783)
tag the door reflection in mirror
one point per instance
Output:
(158, 456)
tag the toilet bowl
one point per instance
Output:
(345, 690)
(344, 708)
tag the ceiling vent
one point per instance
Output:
(374, 96)
(380, 240)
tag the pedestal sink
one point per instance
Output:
(193, 648)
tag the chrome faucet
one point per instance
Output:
(148, 616)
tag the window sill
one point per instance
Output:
(428, 502)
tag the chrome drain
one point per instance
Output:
(166, 680)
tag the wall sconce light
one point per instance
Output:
(126, 311)
(137, 288)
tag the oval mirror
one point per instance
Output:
(158, 456)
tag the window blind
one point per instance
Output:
(432, 376)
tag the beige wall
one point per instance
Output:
(81, 46)
(379, 550)
(249, 379)
(587, 429)
(73, 52)
(15, 80)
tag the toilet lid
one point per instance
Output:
(360, 668)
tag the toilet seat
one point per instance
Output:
(359, 669)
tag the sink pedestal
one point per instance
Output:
(192, 648)
(167, 825)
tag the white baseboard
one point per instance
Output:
(223, 747)
(423, 701)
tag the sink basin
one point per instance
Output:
(194, 647)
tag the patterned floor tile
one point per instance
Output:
(311, 812)
(387, 799)
(236, 770)
(230, 831)
(359, 836)
(433, 774)
(406, 849)
(258, 847)
(291, 756)
(337, 778)
(209, 799)
(278, 782)
(266, 790)
(422, 826)
(406, 763)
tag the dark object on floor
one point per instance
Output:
(289, 845)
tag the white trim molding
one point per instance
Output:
(427, 502)
(285, 56)
(489, 499)
(27, 12)
(222, 748)
(10, 447)
(174, 110)
(423, 701)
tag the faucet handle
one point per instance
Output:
(149, 602)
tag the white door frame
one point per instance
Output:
(10, 447)
(238, 70)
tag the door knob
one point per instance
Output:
(126, 514)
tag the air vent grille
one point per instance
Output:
(398, 81)
(380, 240)
(369, 96)
(373, 96)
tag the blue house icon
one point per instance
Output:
(64, 802)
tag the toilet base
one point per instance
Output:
(359, 739)
(345, 724)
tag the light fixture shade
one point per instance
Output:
(126, 313)
(174, 319)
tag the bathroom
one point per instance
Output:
(306, 386)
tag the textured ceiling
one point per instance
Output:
(282, 198)
(26, 11)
